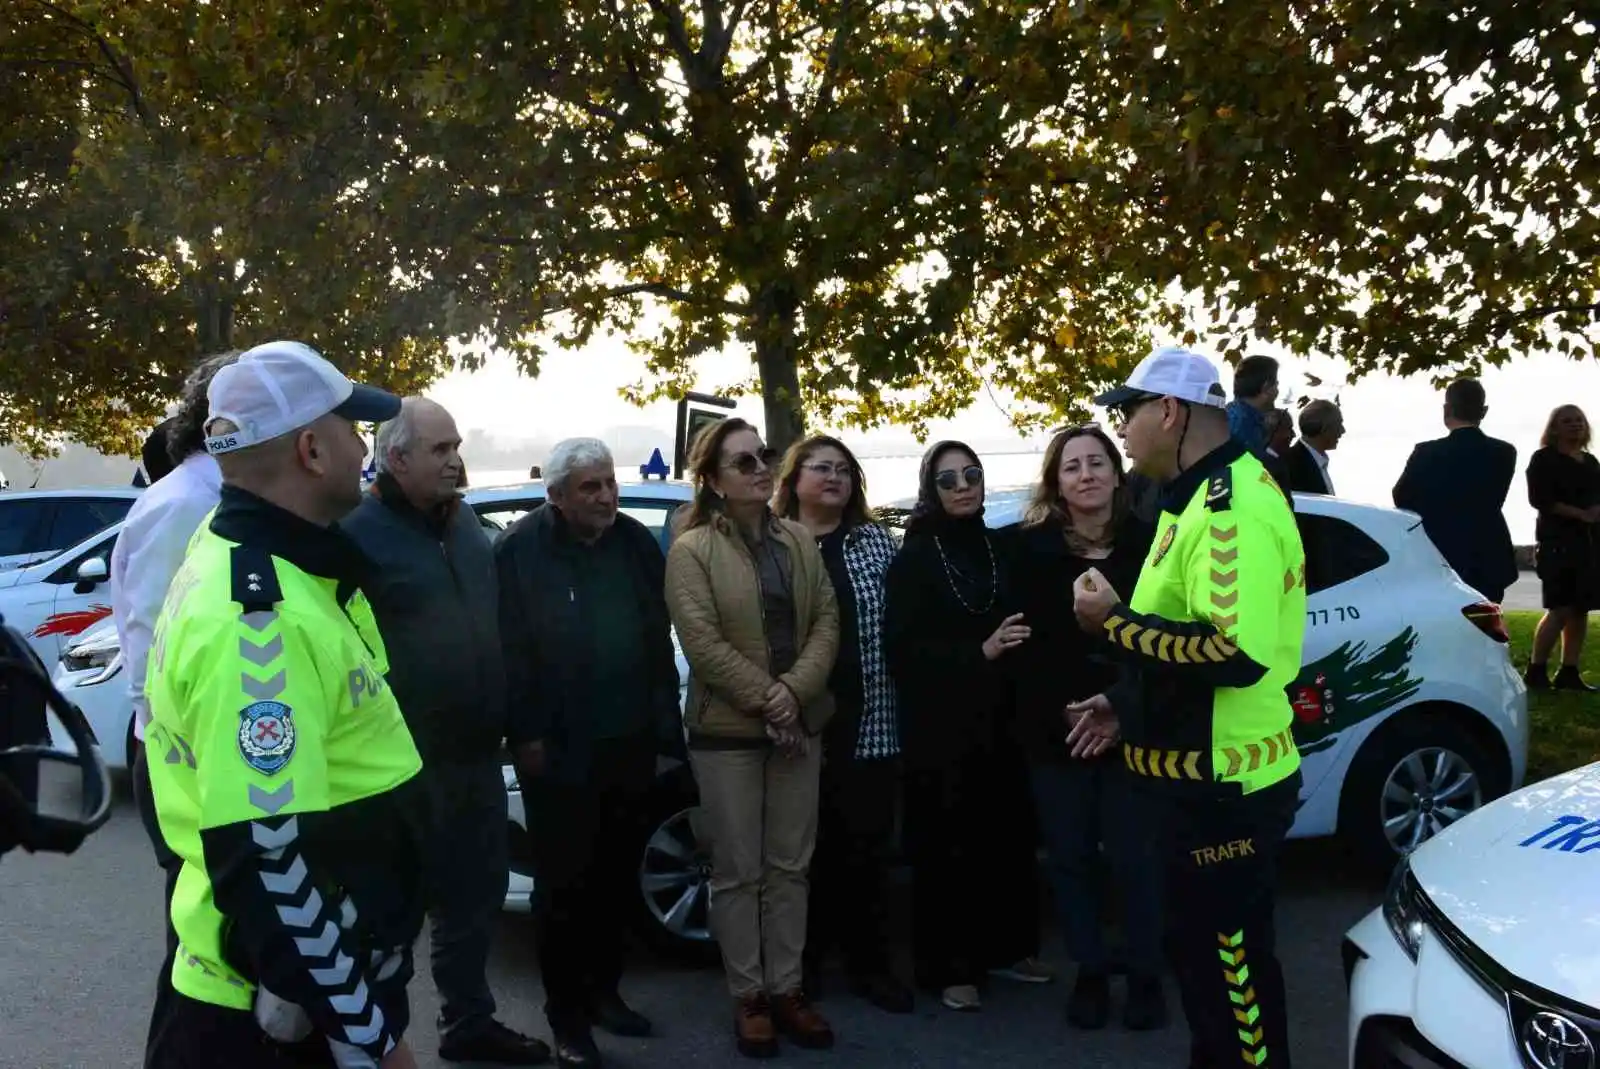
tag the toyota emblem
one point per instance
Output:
(1552, 1041)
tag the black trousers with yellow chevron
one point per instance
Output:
(1220, 853)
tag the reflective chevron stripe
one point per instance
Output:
(1229, 761)
(1242, 994)
(315, 925)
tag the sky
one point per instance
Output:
(1385, 416)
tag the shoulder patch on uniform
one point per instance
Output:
(1165, 544)
(1219, 491)
(255, 580)
(266, 736)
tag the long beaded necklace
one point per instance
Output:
(950, 574)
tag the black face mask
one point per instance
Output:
(30, 765)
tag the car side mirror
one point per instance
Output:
(91, 573)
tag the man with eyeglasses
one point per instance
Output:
(1209, 641)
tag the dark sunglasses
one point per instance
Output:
(750, 463)
(968, 476)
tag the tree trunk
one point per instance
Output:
(213, 319)
(780, 375)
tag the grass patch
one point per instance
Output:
(1565, 726)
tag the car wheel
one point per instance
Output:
(675, 881)
(1412, 779)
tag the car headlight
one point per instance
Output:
(1403, 910)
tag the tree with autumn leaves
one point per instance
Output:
(892, 204)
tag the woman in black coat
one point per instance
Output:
(950, 626)
(1080, 519)
(1564, 485)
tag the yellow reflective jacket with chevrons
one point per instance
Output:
(285, 778)
(1211, 638)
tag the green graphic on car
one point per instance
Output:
(1349, 684)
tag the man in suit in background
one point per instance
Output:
(1458, 485)
(1321, 427)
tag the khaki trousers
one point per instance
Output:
(760, 810)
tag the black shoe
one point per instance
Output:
(1089, 1005)
(1570, 679)
(576, 1050)
(1146, 1010)
(498, 1045)
(613, 1015)
(884, 992)
(1537, 677)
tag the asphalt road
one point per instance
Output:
(80, 941)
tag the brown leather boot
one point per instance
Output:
(797, 1019)
(752, 1027)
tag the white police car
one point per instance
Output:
(54, 586)
(1408, 712)
(1486, 951)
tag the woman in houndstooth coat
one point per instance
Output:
(821, 485)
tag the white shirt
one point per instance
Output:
(150, 550)
(1322, 462)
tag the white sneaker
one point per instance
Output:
(963, 998)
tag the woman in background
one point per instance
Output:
(1079, 519)
(821, 485)
(755, 613)
(951, 628)
(1564, 485)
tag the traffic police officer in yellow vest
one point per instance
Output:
(1209, 643)
(283, 773)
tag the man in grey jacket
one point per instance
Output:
(434, 589)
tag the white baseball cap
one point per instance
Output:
(1170, 372)
(277, 388)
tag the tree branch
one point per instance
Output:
(124, 72)
(732, 28)
(657, 289)
(677, 35)
(642, 94)
(711, 34)
(806, 133)
(1539, 311)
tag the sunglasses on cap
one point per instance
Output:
(972, 475)
(750, 463)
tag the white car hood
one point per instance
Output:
(1521, 880)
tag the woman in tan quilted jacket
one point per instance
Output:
(755, 613)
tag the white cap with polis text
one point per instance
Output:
(1170, 372)
(281, 386)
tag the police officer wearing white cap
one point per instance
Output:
(1208, 642)
(283, 773)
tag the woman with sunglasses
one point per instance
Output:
(822, 486)
(755, 613)
(1080, 518)
(951, 629)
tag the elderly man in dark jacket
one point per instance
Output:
(589, 662)
(433, 588)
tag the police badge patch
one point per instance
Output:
(266, 736)
(1166, 544)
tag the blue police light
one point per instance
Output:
(656, 466)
